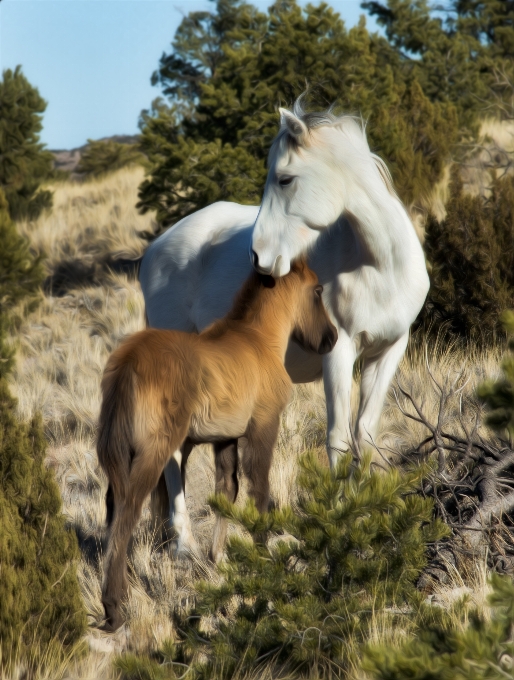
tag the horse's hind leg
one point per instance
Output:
(147, 466)
(226, 482)
(179, 522)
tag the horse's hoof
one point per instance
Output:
(182, 550)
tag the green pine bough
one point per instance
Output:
(304, 601)
(460, 643)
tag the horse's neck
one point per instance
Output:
(379, 221)
(380, 225)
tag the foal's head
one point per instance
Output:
(312, 328)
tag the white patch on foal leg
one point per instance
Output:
(377, 373)
(179, 521)
(337, 379)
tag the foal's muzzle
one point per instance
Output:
(328, 341)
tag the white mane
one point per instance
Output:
(353, 127)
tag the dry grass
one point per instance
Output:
(63, 347)
(91, 218)
(493, 152)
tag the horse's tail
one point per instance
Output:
(115, 444)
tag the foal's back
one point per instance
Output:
(212, 381)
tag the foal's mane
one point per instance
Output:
(353, 126)
(248, 301)
(244, 305)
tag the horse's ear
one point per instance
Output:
(294, 125)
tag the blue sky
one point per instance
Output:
(92, 59)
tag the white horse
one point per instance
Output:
(327, 195)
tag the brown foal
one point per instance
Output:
(168, 390)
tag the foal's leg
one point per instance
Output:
(226, 482)
(146, 468)
(257, 459)
(337, 381)
(109, 503)
(377, 373)
(160, 507)
(179, 522)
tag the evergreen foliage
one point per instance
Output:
(21, 275)
(103, 156)
(499, 395)
(230, 69)
(24, 163)
(471, 253)
(39, 592)
(355, 545)
(445, 649)
(455, 53)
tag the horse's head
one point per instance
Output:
(312, 328)
(303, 193)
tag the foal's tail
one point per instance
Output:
(115, 436)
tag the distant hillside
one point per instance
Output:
(67, 160)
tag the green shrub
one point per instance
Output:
(39, 590)
(103, 156)
(40, 599)
(24, 163)
(351, 551)
(499, 395)
(21, 275)
(448, 649)
(471, 254)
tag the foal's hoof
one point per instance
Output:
(113, 619)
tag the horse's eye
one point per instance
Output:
(285, 181)
(318, 290)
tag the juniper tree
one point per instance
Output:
(352, 550)
(471, 255)
(103, 156)
(24, 163)
(21, 275)
(39, 592)
(227, 93)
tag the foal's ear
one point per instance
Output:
(267, 280)
(296, 127)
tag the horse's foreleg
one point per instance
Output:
(337, 381)
(179, 522)
(377, 373)
(226, 482)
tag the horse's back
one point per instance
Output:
(190, 274)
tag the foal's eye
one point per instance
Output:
(318, 290)
(285, 181)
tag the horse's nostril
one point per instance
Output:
(255, 259)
